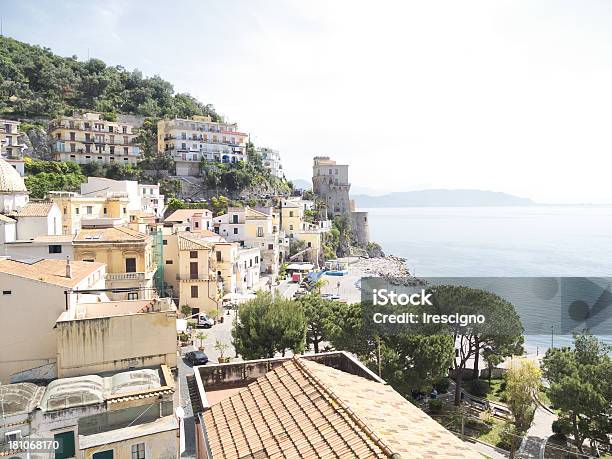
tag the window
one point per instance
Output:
(89, 260)
(270, 246)
(256, 260)
(235, 230)
(130, 265)
(291, 213)
(165, 242)
(218, 255)
(55, 248)
(65, 211)
(66, 445)
(234, 218)
(197, 224)
(193, 270)
(105, 211)
(290, 227)
(15, 435)
(106, 454)
(260, 231)
(77, 210)
(132, 295)
(124, 210)
(89, 210)
(310, 244)
(169, 262)
(138, 451)
(194, 291)
(193, 254)
(7, 292)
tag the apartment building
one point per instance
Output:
(33, 295)
(127, 414)
(88, 137)
(190, 220)
(190, 141)
(254, 228)
(80, 211)
(272, 161)
(128, 255)
(12, 141)
(188, 271)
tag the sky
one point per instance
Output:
(512, 96)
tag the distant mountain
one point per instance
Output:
(441, 198)
(302, 184)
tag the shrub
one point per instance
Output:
(479, 388)
(562, 427)
(435, 406)
(442, 385)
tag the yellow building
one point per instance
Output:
(187, 270)
(190, 141)
(127, 254)
(78, 210)
(116, 335)
(291, 216)
(89, 138)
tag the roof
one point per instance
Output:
(36, 209)
(187, 243)
(303, 408)
(181, 215)
(113, 234)
(10, 180)
(45, 239)
(5, 219)
(116, 308)
(50, 271)
(162, 424)
(19, 398)
(93, 389)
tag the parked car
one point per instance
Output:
(196, 358)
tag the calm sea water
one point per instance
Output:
(550, 241)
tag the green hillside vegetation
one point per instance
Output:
(35, 83)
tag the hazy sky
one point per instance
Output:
(512, 96)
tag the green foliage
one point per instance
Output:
(435, 406)
(268, 325)
(234, 178)
(34, 82)
(581, 387)
(40, 184)
(218, 205)
(442, 385)
(186, 310)
(37, 166)
(478, 388)
(562, 427)
(522, 382)
(318, 313)
(296, 246)
(170, 188)
(175, 204)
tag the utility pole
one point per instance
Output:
(552, 336)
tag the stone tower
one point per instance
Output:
(330, 183)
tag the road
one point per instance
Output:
(535, 440)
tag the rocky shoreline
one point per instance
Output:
(390, 267)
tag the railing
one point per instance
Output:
(189, 277)
(125, 276)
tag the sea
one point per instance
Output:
(534, 242)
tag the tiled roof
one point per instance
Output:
(114, 234)
(50, 271)
(181, 215)
(306, 409)
(35, 209)
(187, 243)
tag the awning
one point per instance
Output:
(300, 267)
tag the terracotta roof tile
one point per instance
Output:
(187, 243)
(114, 234)
(181, 215)
(306, 409)
(50, 271)
(35, 209)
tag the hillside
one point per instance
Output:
(442, 198)
(36, 83)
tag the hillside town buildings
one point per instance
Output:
(89, 138)
(272, 161)
(190, 141)
(12, 140)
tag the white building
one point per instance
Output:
(151, 200)
(33, 295)
(247, 269)
(190, 220)
(102, 188)
(13, 192)
(55, 247)
(11, 139)
(272, 161)
(190, 141)
(38, 219)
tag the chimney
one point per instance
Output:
(68, 268)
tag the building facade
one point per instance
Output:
(88, 138)
(272, 161)
(190, 141)
(12, 141)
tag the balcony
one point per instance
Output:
(195, 278)
(140, 277)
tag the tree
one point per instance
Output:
(581, 388)
(201, 336)
(500, 334)
(318, 313)
(267, 325)
(522, 382)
